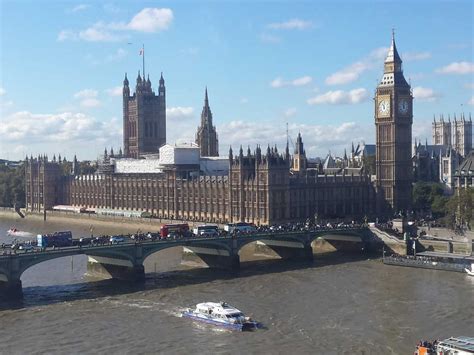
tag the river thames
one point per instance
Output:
(338, 304)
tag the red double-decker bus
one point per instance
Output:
(179, 229)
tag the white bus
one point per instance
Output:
(240, 227)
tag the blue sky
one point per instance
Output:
(312, 64)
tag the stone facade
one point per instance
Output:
(144, 118)
(259, 188)
(43, 184)
(393, 123)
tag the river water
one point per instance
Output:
(338, 304)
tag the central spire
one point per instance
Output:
(206, 136)
(206, 115)
(393, 62)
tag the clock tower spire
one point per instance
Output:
(393, 122)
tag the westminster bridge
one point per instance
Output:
(125, 260)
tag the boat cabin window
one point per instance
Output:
(235, 315)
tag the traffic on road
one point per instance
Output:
(64, 239)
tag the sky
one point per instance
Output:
(313, 65)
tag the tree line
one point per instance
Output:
(430, 202)
(12, 186)
(12, 181)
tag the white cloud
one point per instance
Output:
(413, 56)
(425, 94)
(176, 113)
(279, 82)
(65, 35)
(66, 133)
(86, 93)
(471, 101)
(290, 112)
(293, 24)
(339, 97)
(421, 130)
(457, 68)
(90, 103)
(268, 38)
(317, 139)
(116, 91)
(31, 129)
(88, 98)
(2, 91)
(148, 20)
(99, 33)
(151, 20)
(353, 71)
(80, 7)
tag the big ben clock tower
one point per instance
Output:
(393, 121)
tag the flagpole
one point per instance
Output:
(143, 52)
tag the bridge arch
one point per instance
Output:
(349, 233)
(243, 242)
(27, 263)
(147, 251)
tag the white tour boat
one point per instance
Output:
(470, 272)
(221, 314)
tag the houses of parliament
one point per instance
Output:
(261, 186)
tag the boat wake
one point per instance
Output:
(13, 232)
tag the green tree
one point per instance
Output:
(12, 186)
(428, 198)
(459, 208)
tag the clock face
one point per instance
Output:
(403, 106)
(384, 106)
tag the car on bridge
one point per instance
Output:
(117, 240)
(26, 247)
(85, 241)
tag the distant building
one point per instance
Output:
(452, 142)
(456, 134)
(442, 132)
(206, 136)
(435, 163)
(144, 118)
(361, 152)
(464, 175)
(462, 135)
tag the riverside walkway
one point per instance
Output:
(125, 260)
